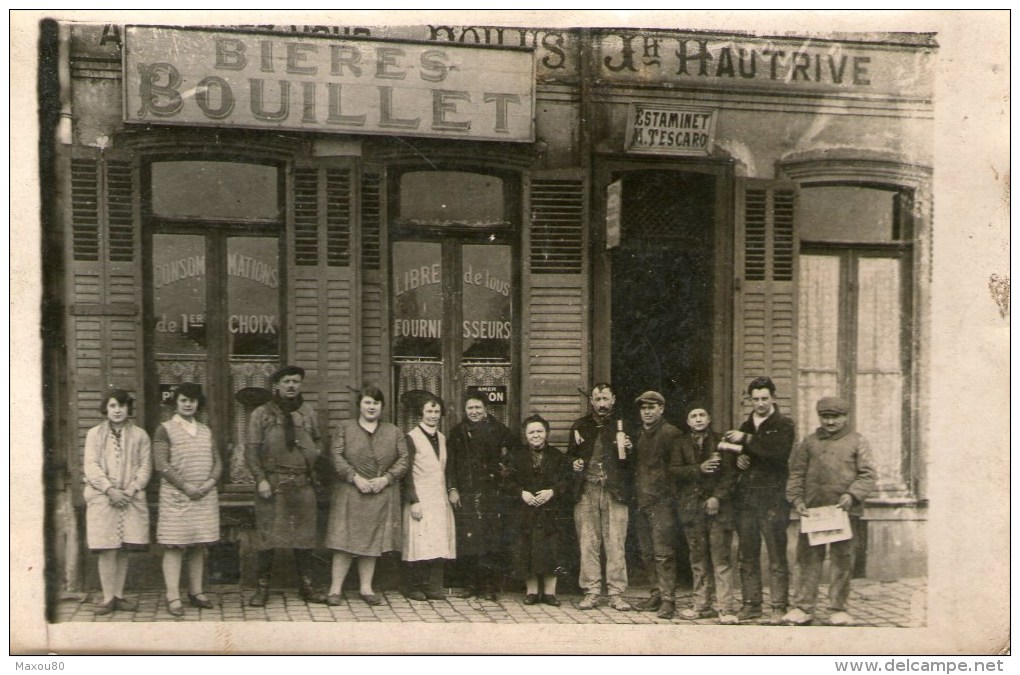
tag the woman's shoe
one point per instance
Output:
(551, 600)
(122, 605)
(103, 608)
(335, 599)
(531, 599)
(175, 607)
(200, 601)
(371, 599)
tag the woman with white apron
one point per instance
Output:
(429, 536)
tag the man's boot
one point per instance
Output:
(261, 595)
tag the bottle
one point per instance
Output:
(621, 439)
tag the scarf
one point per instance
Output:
(288, 406)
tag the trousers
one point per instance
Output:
(710, 541)
(764, 514)
(601, 523)
(657, 539)
(842, 555)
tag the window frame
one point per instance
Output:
(887, 171)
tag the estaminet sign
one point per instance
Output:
(199, 77)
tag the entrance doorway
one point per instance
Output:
(213, 288)
(454, 293)
(663, 279)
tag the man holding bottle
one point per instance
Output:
(603, 477)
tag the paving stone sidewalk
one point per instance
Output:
(901, 603)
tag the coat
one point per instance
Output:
(824, 467)
(109, 527)
(475, 468)
(540, 541)
(769, 450)
(695, 487)
(619, 472)
(366, 524)
(655, 450)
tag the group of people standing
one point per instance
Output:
(710, 487)
(483, 497)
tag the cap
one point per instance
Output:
(651, 397)
(833, 405)
(695, 405)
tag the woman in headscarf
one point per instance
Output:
(117, 467)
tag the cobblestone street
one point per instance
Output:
(872, 603)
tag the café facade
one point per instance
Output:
(518, 212)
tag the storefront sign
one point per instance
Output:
(320, 83)
(493, 394)
(614, 203)
(664, 129)
(733, 62)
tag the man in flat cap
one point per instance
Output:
(831, 466)
(281, 450)
(603, 480)
(656, 448)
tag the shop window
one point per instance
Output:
(855, 315)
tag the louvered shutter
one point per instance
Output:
(104, 323)
(374, 340)
(766, 299)
(556, 299)
(322, 306)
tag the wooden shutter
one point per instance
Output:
(104, 330)
(322, 298)
(374, 310)
(766, 299)
(555, 352)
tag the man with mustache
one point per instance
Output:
(603, 478)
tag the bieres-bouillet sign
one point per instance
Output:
(224, 78)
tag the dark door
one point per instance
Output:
(662, 290)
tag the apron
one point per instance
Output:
(434, 536)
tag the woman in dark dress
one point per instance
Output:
(539, 479)
(479, 452)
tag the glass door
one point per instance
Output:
(453, 322)
(215, 319)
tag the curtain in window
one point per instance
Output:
(818, 334)
(880, 378)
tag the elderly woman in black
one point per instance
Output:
(479, 454)
(539, 478)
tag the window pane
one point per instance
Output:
(818, 334)
(253, 296)
(178, 313)
(880, 377)
(487, 302)
(178, 294)
(417, 300)
(846, 213)
(190, 189)
(445, 196)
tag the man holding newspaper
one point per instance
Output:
(831, 472)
